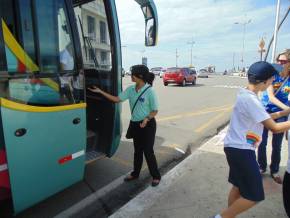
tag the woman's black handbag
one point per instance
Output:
(131, 128)
(130, 131)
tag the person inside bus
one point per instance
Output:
(66, 58)
(275, 99)
(66, 64)
(144, 108)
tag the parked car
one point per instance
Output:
(156, 70)
(203, 73)
(180, 76)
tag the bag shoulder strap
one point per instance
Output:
(286, 79)
(139, 98)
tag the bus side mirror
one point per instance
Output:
(151, 25)
(150, 33)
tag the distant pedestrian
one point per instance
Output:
(243, 136)
(142, 128)
(275, 99)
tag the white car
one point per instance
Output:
(203, 73)
(162, 72)
(156, 70)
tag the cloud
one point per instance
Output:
(211, 25)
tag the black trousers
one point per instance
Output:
(286, 193)
(144, 139)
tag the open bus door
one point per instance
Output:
(100, 42)
(43, 115)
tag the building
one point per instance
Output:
(144, 61)
(95, 27)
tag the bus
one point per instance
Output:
(50, 125)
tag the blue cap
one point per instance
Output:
(261, 71)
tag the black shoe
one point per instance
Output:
(130, 178)
(155, 182)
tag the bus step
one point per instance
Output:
(90, 134)
(92, 139)
(93, 155)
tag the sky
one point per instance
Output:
(210, 24)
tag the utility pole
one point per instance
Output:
(234, 68)
(191, 43)
(123, 51)
(276, 31)
(177, 58)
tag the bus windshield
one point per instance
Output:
(39, 52)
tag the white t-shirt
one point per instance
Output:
(245, 130)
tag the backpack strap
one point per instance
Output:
(281, 85)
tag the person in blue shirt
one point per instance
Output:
(275, 99)
(142, 119)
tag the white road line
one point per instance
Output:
(228, 86)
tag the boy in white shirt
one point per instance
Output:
(244, 135)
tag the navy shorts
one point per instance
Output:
(245, 174)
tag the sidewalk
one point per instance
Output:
(198, 188)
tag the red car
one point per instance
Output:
(180, 76)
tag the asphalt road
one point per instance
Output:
(187, 117)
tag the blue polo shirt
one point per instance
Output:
(282, 95)
(146, 104)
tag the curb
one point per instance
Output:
(91, 199)
(149, 196)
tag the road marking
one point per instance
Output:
(200, 112)
(203, 127)
(229, 87)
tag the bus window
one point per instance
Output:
(57, 53)
(95, 39)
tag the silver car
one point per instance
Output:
(203, 73)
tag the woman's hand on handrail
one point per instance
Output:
(112, 98)
(95, 89)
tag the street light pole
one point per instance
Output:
(123, 49)
(244, 36)
(191, 43)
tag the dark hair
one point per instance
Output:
(142, 72)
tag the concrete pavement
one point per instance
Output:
(198, 188)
